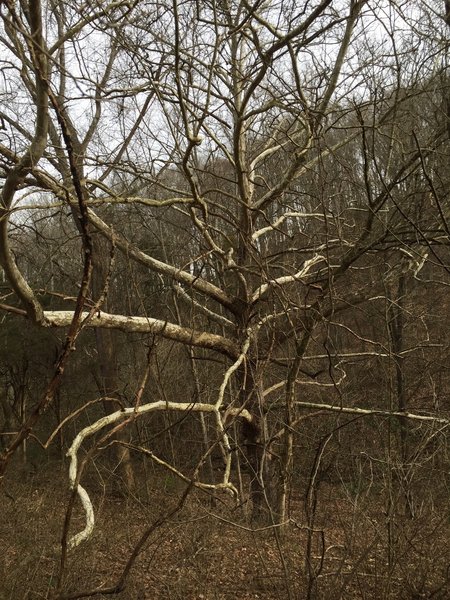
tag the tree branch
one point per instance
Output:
(132, 324)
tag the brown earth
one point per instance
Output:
(211, 553)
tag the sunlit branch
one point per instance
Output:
(202, 308)
(133, 324)
(263, 290)
(121, 415)
(129, 249)
(280, 220)
(165, 269)
(374, 412)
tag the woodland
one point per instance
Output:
(224, 299)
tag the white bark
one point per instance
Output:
(120, 415)
(282, 219)
(262, 291)
(185, 335)
(374, 412)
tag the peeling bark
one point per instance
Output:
(131, 324)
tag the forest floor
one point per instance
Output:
(206, 552)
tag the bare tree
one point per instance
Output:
(285, 154)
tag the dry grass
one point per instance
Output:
(206, 553)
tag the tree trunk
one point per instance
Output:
(396, 330)
(257, 450)
(107, 374)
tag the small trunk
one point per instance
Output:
(286, 467)
(396, 329)
(263, 483)
(108, 384)
(255, 459)
(108, 381)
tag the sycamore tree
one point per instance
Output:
(275, 166)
